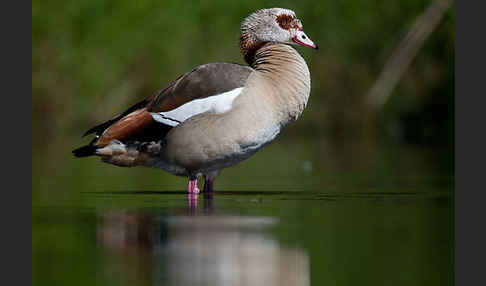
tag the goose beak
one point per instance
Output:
(300, 38)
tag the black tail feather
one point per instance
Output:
(85, 151)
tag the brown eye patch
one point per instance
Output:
(288, 22)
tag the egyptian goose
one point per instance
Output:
(218, 114)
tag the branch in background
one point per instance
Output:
(406, 51)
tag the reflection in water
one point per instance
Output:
(192, 203)
(202, 248)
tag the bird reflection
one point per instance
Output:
(199, 247)
(192, 203)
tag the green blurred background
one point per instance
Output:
(92, 59)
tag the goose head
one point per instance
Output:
(272, 25)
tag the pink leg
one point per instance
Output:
(192, 186)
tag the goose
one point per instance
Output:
(218, 114)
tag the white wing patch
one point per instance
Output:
(219, 103)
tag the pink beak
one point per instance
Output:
(301, 39)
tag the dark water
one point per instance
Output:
(297, 222)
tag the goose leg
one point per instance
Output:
(209, 178)
(208, 185)
(192, 186)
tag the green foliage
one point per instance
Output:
(92, 58)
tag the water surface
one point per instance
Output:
(280, 218)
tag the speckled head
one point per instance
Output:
(271, 25)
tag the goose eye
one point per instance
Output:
(303, 37)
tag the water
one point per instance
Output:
(290, 221)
